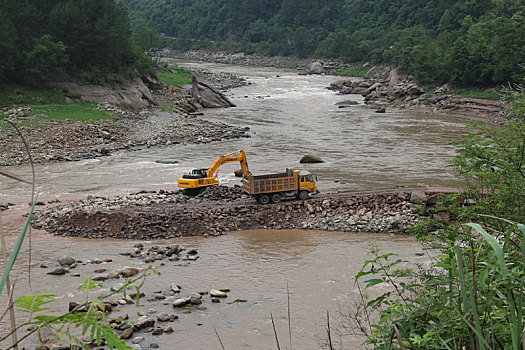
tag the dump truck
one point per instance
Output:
(199, 179)
(274, 187)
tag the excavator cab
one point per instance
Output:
(196, 174)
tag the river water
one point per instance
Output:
(289, 116)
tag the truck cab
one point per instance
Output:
(307, 182)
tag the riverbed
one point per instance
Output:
(257, 266)
(289, 115)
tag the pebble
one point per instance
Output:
(218, 294)
(137, 340)
(163, 317)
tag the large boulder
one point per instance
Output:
(315, 68)
(396, 75)
(207, 96)
(309, 158)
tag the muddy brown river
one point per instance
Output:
(288, 116)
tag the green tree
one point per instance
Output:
(149, 42)
(95, 33)
(8, 51)
(47, 58)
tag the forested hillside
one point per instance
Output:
(470, 42)
(86, 39)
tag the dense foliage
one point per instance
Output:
(470, 42)
(471, 295)
(87, 39)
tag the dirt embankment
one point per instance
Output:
(175, 122)
(218, 210)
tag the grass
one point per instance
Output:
(50, 102)
(83, 111)
(178, 78)
(290, 64)
(353, 72)
(476, 93)
(17, 95)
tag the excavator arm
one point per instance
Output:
(228, 158)
(198, 179)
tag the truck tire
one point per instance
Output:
(276, 198)
(264, 199)
(303, 195)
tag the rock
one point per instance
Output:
(100, 278)
(59, 347)
(166, 161)
(143, 322)
(137, 340)
(180, 302)
(380, 110)
(126, 333)
(316, 68)
(346, 103)
(58, 271)
(374, 87)
(175, 288)
(207, 96)
(311, 159)
(168, 329)
(157, 331)
(195, 298)
(238, 173)
(217, 293)
(129, 272)
(310, 208)
(113, 275)
(418, 197)
(163, 317)
(66, 260)
(442, 217)
(72, 306)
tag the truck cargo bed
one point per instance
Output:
(270, 183)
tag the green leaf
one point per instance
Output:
(89, 285)
(498, 250)
(16, 249)
(32, 303)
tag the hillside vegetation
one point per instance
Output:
(469, 42)
(89, 40)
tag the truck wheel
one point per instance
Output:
(303, 195)
(276, 198)
(264, 199)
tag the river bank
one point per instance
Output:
(381, 86)
(171, 118)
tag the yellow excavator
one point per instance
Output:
(199, 179)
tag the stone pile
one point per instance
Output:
(221, 210)
(401, 90)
